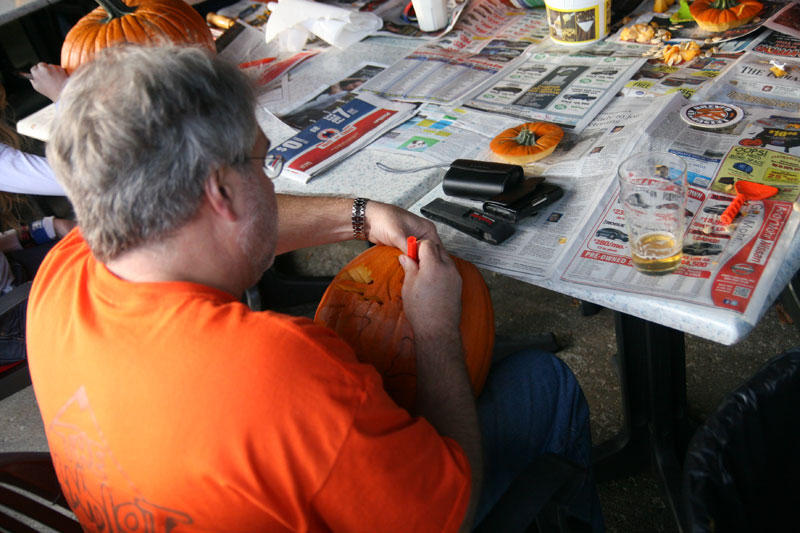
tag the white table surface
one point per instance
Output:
(11, 10)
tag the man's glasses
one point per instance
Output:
(273, 165)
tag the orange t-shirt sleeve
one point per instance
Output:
(394, 473)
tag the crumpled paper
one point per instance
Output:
(292, 21)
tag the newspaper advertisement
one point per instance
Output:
(488, 36)
(560, 85)
(347, 128)
(787, 20)
(321, 102)
(440, 135)
(656, 78)
(750, 82)
(584, 167)
(777, 45)
(722, 265)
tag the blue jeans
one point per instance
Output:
(532, 404)
(12, 335)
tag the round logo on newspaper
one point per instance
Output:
(712, 115)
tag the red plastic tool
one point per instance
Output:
(412, 248)
(745, 191)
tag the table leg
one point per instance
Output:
(655, 432)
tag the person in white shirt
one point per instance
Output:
(22, 173)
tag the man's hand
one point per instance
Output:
(390, 225)
(432, 294)
(48, 79)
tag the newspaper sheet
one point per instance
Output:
(722, 265)
(322, 102)
(787, 20)
(488, 36)
(750, 82)
(583, 240)
(583, 165)
(441, 135)
(777, 45)
(561, 85)
(353, 124)
(657, 78)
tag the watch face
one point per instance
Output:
(712, 115)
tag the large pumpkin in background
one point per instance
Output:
(133, 21)
(364, 305)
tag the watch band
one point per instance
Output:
(358, 220)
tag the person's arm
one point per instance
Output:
(48, 79)
(25, 173)
(39, 232)
(305, 221)
(432, 304)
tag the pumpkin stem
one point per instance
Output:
(525, 137)
(723, 4)
(116, 8)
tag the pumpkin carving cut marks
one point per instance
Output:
(364, 305)
(527, 142)
(134, 21)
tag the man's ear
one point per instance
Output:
(220, 192)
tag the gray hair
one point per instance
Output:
(138, 131)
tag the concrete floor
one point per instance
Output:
(632, 504)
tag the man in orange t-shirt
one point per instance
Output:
(170, 406)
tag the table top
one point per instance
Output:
(11, 10)
(358, 175)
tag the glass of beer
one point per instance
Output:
(652, 191)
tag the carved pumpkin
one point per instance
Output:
(133, 21)
(364, 305)
(721, 15)
(527, 142)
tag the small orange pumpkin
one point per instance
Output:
(133, 21)
(527, 142)
(721, 15)
(364, 305)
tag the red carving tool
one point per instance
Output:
(412, 248)
(745, 191)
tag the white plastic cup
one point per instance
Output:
(578, 22)
(431, 14)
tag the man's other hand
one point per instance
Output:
(432, 293)
(390, 225)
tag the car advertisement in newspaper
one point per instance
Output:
(488, 36)
(560, 85)
(350, 126)
(722, 264)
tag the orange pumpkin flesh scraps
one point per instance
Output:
(134, 21)
(527, 142)
(722, 15)
(364, 305)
